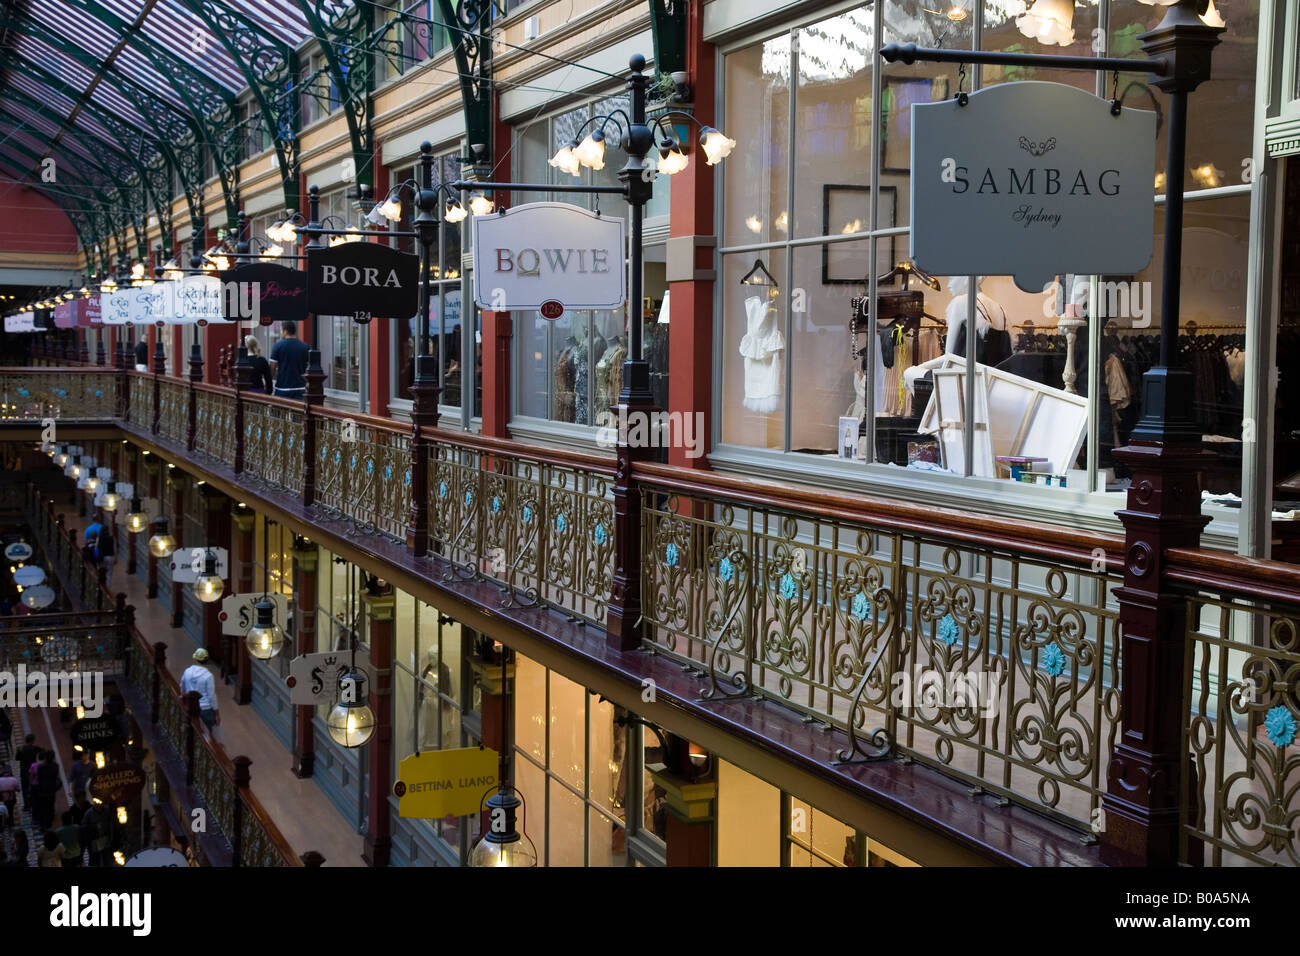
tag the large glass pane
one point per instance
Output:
(568, 720)
(534, 374)
(567, 818)
(607, 841)
(531, 781)
(749, 819)
(608, 746)
(833, 120)
(757, 116)
(530, 707)
(1007, 28)
(753, 349)
(1220, 118)
(1212, 328)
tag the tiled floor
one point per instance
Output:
(302, 812)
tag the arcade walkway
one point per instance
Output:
(301, 811)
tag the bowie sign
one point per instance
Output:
(1032, 180)
(548, 252)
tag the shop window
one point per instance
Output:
(749, 819)
(447, 316)
(570, 370)
(570, 769)
(1058, 370)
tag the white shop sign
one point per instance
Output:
(546, 252)
(187, 564)
(1032, 180)
(237, 614)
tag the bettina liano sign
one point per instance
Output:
(549, 252)
(1032, 180)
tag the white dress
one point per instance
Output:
(762, 346)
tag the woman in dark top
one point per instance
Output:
(261, 367)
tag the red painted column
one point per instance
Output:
(216, 528)
(178, 531)
(215, 338)
(243, 558)
(498, 328)
(690, 301)
(306, 562)
(381, 607)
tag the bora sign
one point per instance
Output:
(1032, 180)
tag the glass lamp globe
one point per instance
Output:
(1049, 22)
(162, 544)
(136, 519)
(265, 638)
(455, 211)
(591, 151)
(208, 586)
(480, 205)
(566, 160)
(671, 161)
(351, 723)
(716, 146)
(111, 498)
(509, 848)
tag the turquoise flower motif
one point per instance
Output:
(949, 631)
(291, 440)
(528, 514)
(861, 607)
(560, 523)
(1052, 660)
(323, 453)
(370, 467)
(442, 489)
(726, 570)
(496, 504)
(1280, 726)
(788, 588)
(388, 472)
(670, 555)
(407, 478)
(259, 431)
(23, 391)
(469, 497)
(338, 456)
(99, 393)
(61, 392)
(353, 463)
(600, 534)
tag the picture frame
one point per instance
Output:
(843, 206)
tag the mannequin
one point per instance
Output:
(993, 337)
(564, 379)
(609, 374)
(762, 346)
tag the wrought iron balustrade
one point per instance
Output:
(67, 394)
(363, 472)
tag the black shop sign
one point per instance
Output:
(281, 293)
(95, 733)
(363, 280)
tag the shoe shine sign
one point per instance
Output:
(549, 256)
(363, 280)
(1032, 180)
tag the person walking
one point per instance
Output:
(51, 852)
(28, 754)
(9, 790)
(47, 784)
(92, 831)
(69, 835)
(141, 356)
(289, 362)
(261, 377)
(198, 678)
(107, 554)
(81, 772)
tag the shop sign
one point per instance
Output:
(444, 783)
(237, 614)
(549, 254)
(363, 280)
(65, 316)
(1032, 180)
(95, 733)
(117, 784)
(89, 312)
(281, 292)
(21, 322)
(115, 307)
(187, 564)
(18, 551)
(314, 678)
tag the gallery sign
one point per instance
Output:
(117, 784)
(1032, 180)
(363, 280)
(549, 255)
(280, 293)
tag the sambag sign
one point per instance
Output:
(549, 252)
(1032, 180)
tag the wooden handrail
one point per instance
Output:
(1041, 540)
(1249, 578)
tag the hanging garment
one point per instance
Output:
(762, 346)
(609, 376)
(582, 362)
(563, 397)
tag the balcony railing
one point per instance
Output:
(988, 649)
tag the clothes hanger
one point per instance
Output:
(759, 275)
(906, 268)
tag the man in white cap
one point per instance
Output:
(198, 678)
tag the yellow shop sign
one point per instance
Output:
(445, 782)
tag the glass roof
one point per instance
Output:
(94, 83)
